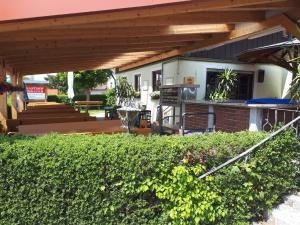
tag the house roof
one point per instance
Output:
(128, 34)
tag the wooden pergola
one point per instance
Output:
(129, 36)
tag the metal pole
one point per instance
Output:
(247, 152)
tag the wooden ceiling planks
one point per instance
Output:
(134, 37)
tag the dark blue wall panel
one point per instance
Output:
(231, 50)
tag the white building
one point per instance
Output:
(275, 84)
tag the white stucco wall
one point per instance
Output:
(146, 78)
(275, 84)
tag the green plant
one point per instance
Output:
(137, 94)
(295, 86)
(225, 83)
(58, 98)
(125, 179)
(189, 199)
(124, 91)
(111, 96)
(155, 95)
(64, 98)
(85, 81)
(58, 82)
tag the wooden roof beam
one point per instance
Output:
(291, 26)
(136, 13)
(69, 34)
(213, 17)
(285, 5)
(75, 59)
(244, 32)
(90, 50)
(55, 69)
(80, 42)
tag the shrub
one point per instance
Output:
(100, 97)
(111, 96)
(58, 98)
(123, 179)
(64, 98)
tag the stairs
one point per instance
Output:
(287, 213)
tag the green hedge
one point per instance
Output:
(64, 98)
(58, 98)
(121, 179)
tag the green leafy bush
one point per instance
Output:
(58, 98)
(100, 97)
(123, 179)
(64, 98)
(111, 96)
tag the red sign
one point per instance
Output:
(36, 92)
(35, 89)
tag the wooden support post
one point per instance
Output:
(3, 99)
(20, 93)
(14, 110)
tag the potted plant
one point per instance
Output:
(137, 95)
(155, 95)
(226, 82)
(124, 91)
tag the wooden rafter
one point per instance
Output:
(91, 50)
(130, 38)
(243, 32)
(212, 17)
(69, 34)
(94, 42)
(291, 26)
(285, 5)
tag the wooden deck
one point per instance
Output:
(86, 127)
(45, 118)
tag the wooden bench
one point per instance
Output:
(66, 110)
(49, 107)
(87, 104)
(52, 115)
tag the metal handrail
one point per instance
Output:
(247, 152)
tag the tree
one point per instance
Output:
(85, 81)
(58, 82)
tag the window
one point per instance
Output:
(137, 82)
(243, 89)
(156, 80)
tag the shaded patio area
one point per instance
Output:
(118, 35)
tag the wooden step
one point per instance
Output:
(51, 115)
(55, 120)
